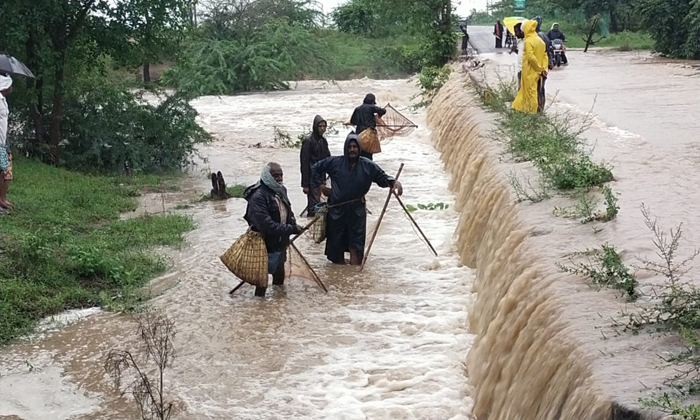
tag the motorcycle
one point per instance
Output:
(557, 51)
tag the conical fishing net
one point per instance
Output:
(296, 267)
(393, 124)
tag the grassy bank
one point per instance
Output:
(554, 146)
(624, 41)
(64, 246)
(356, 56)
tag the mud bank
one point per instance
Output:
(539, 353)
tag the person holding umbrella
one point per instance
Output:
(5, 155)
(9, 66)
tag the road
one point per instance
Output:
(481, 39)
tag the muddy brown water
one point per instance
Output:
(574, 358)
(385, 343)
(390, 342)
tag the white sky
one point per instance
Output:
(463, 6)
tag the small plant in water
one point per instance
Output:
(528, 192)
(429, 206)
(156, 333)
(604, 268)
(586, 204)
(284, 139)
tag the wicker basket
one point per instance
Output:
(247, 259)
(369, 141)
(318, 229)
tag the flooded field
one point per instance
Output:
(385, 343)
(391, 342)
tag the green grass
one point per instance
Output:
(64, 247)
(623, 41)
(233, 191)
(552, 144)
(356, 57)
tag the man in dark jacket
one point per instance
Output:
(556, 33)
(363, 117)
(270, 213)
(313, 149)
(498, 33)
(351, 178)
(465, 38)
(541, 97)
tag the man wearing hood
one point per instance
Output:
(270, 213)
(363, 117)
(534, 68)
(5, 154)
(550, 63)
(555, 33)
(351, 178)
(517, 48)
(314, 148)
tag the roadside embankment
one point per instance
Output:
(539, 353)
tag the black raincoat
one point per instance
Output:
(263, 215)
(347, 215)
(363, 116)
(313, 149)
(556, 34)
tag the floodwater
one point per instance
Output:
(388, 342)
(545, 334)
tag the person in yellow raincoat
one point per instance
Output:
(534, 67)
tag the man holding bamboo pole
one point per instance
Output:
(269, 212)
(351, 178)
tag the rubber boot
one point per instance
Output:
(260, 291)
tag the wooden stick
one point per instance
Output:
(302, 212)
(305, 228)
(381, 216)
(408, 213)
(317, 279)
(236, 288)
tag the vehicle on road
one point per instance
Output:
(557, 51)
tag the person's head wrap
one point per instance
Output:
(5, 82)
(370, 99)
(269, 181)
(554, 24)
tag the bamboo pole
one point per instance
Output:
(381, 216)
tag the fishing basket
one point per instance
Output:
(369, 141)
(246, 258)
(318, 229)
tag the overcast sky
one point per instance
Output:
(463, 6)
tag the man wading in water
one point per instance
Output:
(363, 117)
(270, 213)
(314, 148)
(351, 178)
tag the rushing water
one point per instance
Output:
(385, 343)
(547, 336)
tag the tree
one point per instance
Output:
(149, 30)
(64, 42)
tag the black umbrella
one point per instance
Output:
(14, 67)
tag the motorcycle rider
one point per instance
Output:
(555, 33)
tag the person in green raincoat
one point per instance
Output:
(534, 68)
